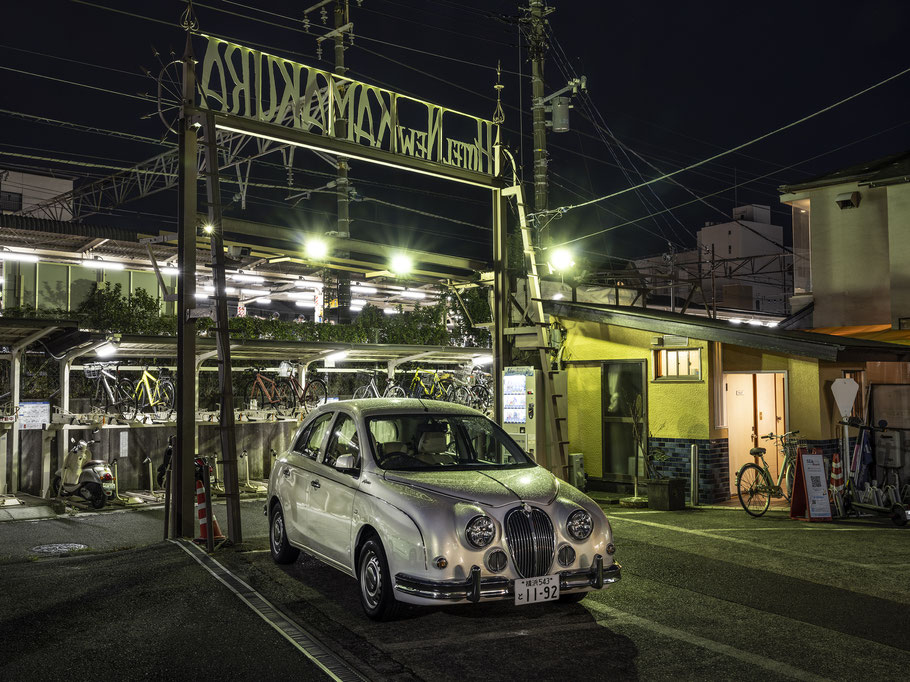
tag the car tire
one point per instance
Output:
(281, 550)
(377, 596)
(572, 598)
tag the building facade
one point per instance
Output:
(851, 238)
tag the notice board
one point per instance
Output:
(810, 489)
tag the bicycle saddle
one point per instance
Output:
(755, 452)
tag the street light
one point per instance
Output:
(400, 264)
(315, 248)
(561, 259)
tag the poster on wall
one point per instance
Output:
(34, 415)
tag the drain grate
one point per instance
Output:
(59, 548)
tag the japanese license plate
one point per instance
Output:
(533, 590)
(107, 486)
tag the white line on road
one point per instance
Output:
(621, 617)
(740, 541)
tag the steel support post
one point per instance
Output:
(502, 351)
(10, 467)
(222, 336)
(184, 453)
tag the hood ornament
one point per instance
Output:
(526, 508)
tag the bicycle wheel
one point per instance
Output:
(482, 400)
(394, 391)
(461, 395)
(127, 405)
(753, 489)
(789, 473)
(286, 397)
(361, 392)
(260, 397)
(315, 394)
(99, 398)
(167, 395)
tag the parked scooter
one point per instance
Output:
(82, 476)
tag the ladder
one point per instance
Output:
(558, 462)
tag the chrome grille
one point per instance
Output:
(531, 541)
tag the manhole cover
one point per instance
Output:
(59, 548)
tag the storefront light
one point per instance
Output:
(18, 257)
(102, 264)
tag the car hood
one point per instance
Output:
(491, 487)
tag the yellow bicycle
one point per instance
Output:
(150, 392)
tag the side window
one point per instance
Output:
(343, 441)
(309, 441)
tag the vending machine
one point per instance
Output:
(519, 398)
(525, 414)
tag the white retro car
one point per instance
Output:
(428, 502)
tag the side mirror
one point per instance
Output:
(345, 463)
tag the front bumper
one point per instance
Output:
(475, 588)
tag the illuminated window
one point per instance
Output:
(684, 363)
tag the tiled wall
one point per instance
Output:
(713, 465)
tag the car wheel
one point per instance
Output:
(572, 598)
(282, 552)
(376, 595)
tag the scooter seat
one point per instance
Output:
(756, 452)
(94, 463)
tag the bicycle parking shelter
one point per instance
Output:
(130, 350)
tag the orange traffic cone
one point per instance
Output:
(837, 473)
(201, 504)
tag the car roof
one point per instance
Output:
(370, 407)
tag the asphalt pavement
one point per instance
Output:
(705, 594)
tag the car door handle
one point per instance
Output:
(315, 483)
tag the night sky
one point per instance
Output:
(675, 82)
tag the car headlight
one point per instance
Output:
(480, 531)
(580, 524)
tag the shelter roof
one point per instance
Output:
(884, 171)
(789, 342)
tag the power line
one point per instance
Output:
(740, 146)
(144, 98)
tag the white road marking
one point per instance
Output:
(446, 642)
(796, 529)
(740, 541)
(621, 617)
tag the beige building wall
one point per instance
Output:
(899, 248)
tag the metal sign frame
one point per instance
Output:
(194, 119)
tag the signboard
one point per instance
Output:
(34, 415)
(844, 391)
(124, 443)
(240, 81)
(810, 489)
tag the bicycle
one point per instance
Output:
(438, 388)
(286, 392)
(371, 390)
(754, 485)
(110, 390)
(150, 391)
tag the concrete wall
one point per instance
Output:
(899, 251)
(256, 437)
(851, 264)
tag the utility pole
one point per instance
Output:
(183, 524)
(342, 24)
(538, 50)
(341, 281)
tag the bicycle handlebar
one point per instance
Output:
(772, 436)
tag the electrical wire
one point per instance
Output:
(740, 146)
(143, 98)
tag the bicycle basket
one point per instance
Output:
(92, 371)
(285, 369)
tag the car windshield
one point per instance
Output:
(434, 442)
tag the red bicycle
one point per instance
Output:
(285, 393)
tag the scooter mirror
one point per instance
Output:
(72, 440)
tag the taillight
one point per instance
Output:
(107, 477)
